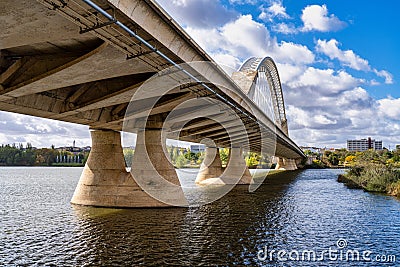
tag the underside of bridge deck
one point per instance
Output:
(65, 60)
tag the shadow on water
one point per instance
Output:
(218, 233)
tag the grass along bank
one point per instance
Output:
(373, 171)
(373, 177)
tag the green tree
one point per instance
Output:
(181, 161)
(333, 159)
(128, 155)
(252, 159)
(224, 155)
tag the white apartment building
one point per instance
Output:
(364, 144)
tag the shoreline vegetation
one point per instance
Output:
(18, 155)
(374, 171)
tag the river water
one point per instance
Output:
(302, 214)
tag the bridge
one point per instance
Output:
(127, 66)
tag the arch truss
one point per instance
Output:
(259, 79)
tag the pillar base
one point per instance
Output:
(211, 167)
(286, 164)
(236, 171)
(153, 171)
(236, 167)
(105, 182)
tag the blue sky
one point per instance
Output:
(338, 60)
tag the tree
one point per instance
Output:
(45, 156)
(252, 159)
(333, 159)
(224, 154)
(128, 155)
(350, 159)
(181, 161)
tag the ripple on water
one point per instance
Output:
(298, 210)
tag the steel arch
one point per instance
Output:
(255, 67)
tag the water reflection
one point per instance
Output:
(217, 233)
(295, 210)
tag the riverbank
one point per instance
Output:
(372, 177)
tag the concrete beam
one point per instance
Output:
(104, 93)
(40, 67)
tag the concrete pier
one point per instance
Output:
(236, 168)
(105, 182)
(286, 164)
(211, 167)
(236, 171)
(153, 171)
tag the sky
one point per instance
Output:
(339, 64)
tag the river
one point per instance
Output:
(302, 214)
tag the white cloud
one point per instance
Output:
(288, 52)
(350, 59)
(228, 62)
(289, 72)
(328, 82)
(357, 98)
(385, 74)
(180, 2)
(284, 28)
(278, 10)
(347, 57)
(247, 37)
(316, 18)
(242, 2)
(199, 13)
(275, 10)
(374, 82)
(323, 119)
(244, 38)
(40, 132)
(390, 107)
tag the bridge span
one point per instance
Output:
(127, 66)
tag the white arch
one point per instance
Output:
(252, 76)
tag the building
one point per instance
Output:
(312, 149)
(364, 144)
(197, 148)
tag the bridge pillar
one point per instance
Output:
(104, 181)
(286, 164)
(211, 167)
(153, 171)
(236, 166)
